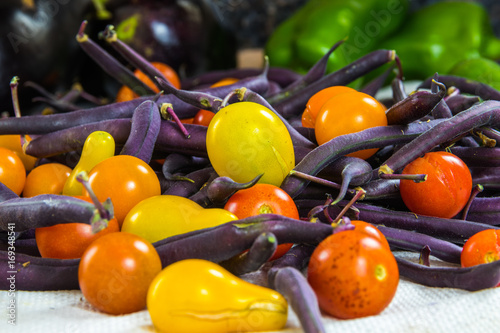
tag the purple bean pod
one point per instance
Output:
(258, 254)
(43, 211)
(441, 110)
(413, 107)
(315, 73)
(177, 162)
(380, 189)
(294, 104)
(473, 278)
(192, 184)
(488, 177)
(458, 102)
(373, 87)
(478, 156)
(485, 210)
(398, 90)
(34, 273)
(485, 113)
(227, 240)
(6, 193)
(144, 130)
(414, 241)
(216, 192)
(110, 65)
(325, 154)
(467, 86)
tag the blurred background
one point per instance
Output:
(193, 36)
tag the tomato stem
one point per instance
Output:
(314, 179)
(360, 193)
(104, 214)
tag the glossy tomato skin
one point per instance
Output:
(245, 140)
(115, 272)
(347, 113)
(13, 142)
(263, 199)
(125, 179)
(69, 240)
(47, 178)
(371, 230)
(353, 275)
(12, 170)
(203, 117)
(482, 248)
(446, 190)
(317, 100)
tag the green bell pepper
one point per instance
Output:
(301, 40)
(437, 37)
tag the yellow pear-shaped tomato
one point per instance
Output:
(246, 139)
(162, 216)
(195, 295)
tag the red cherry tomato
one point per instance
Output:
(203, 117)
(481, 248)
(115, 272)
(317, 100)
(47, 178)
(446, 190)
(353, 275)
(12, 170)
(125, 179)
(370, 230)
(347, 113)
(69, 240)
(263, 199)
(126, 94)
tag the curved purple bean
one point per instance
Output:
(192, 183)
(37, 274)
(467, 86)
(398, 90)
(176, 162)
(414, 241)
(458, 102)
(478, 156)
(373, 87)
(413, 107)
(325, 154)
(6, 193)
(485, 113)
(43, 211)
(144, 130)
(469, 278)
(485, 210)
(488, 177)
(258, 254)
(381, 189)
(293, 104)
(219, 190)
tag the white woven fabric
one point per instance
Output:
(415, 308)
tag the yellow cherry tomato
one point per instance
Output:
(162, 216)
(195, 295)
(98, 146)
(246, 139)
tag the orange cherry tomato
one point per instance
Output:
(12, 170)
(347, 113)
(69, 240)
(370, 230)
(126, 94)
(446, 190)
(115, 272)
(482, 248)
(203, 117)
(125, 179)
(263, 199)
(317, 100)
(13, 142)
(47, 178)
(353, 275)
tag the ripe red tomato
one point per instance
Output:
(69, 240)
(263, 199)
(317, 100)
(481, 248)
(126, 94)
(203, 117)
(12, 170)
(47, 178)
(115, 272)
(347, 113)
(353, 275)
(446, 190)
(125, 179)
